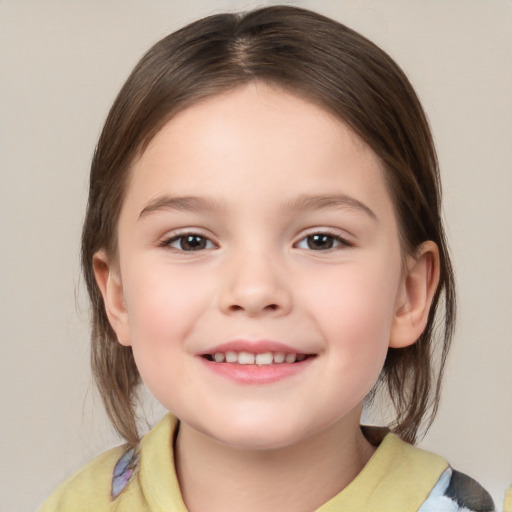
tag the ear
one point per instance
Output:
(419, 284)
(109, 283)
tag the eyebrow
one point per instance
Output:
(329, 201)
(301, 203)
(185, 203)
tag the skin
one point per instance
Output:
(251, 157)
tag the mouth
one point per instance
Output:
(256, 362)
(256, 359)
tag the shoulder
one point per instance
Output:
(457, 492)
(419, 480)
(113, 480)
(89, 489)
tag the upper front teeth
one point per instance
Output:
(259, 359)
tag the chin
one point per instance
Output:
(257, 441)
(257, 434)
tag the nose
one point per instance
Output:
(255, 284)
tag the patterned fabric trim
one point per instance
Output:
(457, 492)
(123, 471)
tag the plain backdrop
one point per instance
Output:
(61, 65)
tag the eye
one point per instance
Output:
(322, 242)
(189, 242)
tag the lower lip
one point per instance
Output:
(254, 374)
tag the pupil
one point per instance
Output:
(320, 242)
(192, 243)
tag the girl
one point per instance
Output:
(263, 248)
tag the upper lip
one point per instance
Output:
(253, 347)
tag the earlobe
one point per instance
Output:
(418, 287)
(109, 283)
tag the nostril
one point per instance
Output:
(237, 307)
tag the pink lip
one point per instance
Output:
(254, 374)
(253, 347)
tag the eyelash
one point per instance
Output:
(181, 237)
(339, 241)
(206, 244)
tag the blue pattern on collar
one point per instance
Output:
(123, 471)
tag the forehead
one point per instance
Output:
(260, 133)
(268, 111)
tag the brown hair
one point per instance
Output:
(323, 61)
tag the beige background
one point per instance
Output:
(61, 64)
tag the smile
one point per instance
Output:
(259, 359)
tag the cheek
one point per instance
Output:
(357, 294)
(355, 312)
(162, 305)
(161, 315)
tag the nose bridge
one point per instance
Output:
(255, 282)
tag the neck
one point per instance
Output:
(215, 477)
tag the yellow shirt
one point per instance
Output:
(398, 478)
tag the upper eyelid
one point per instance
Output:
(334, 232)
(180, 233)
(176, 233)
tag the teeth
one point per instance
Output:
(262, 359)
(290, 358)
(279, 357)
(231, 357)
(245, 358)
(265, 358)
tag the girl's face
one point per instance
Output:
(257, 227)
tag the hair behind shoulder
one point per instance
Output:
(327, 63)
